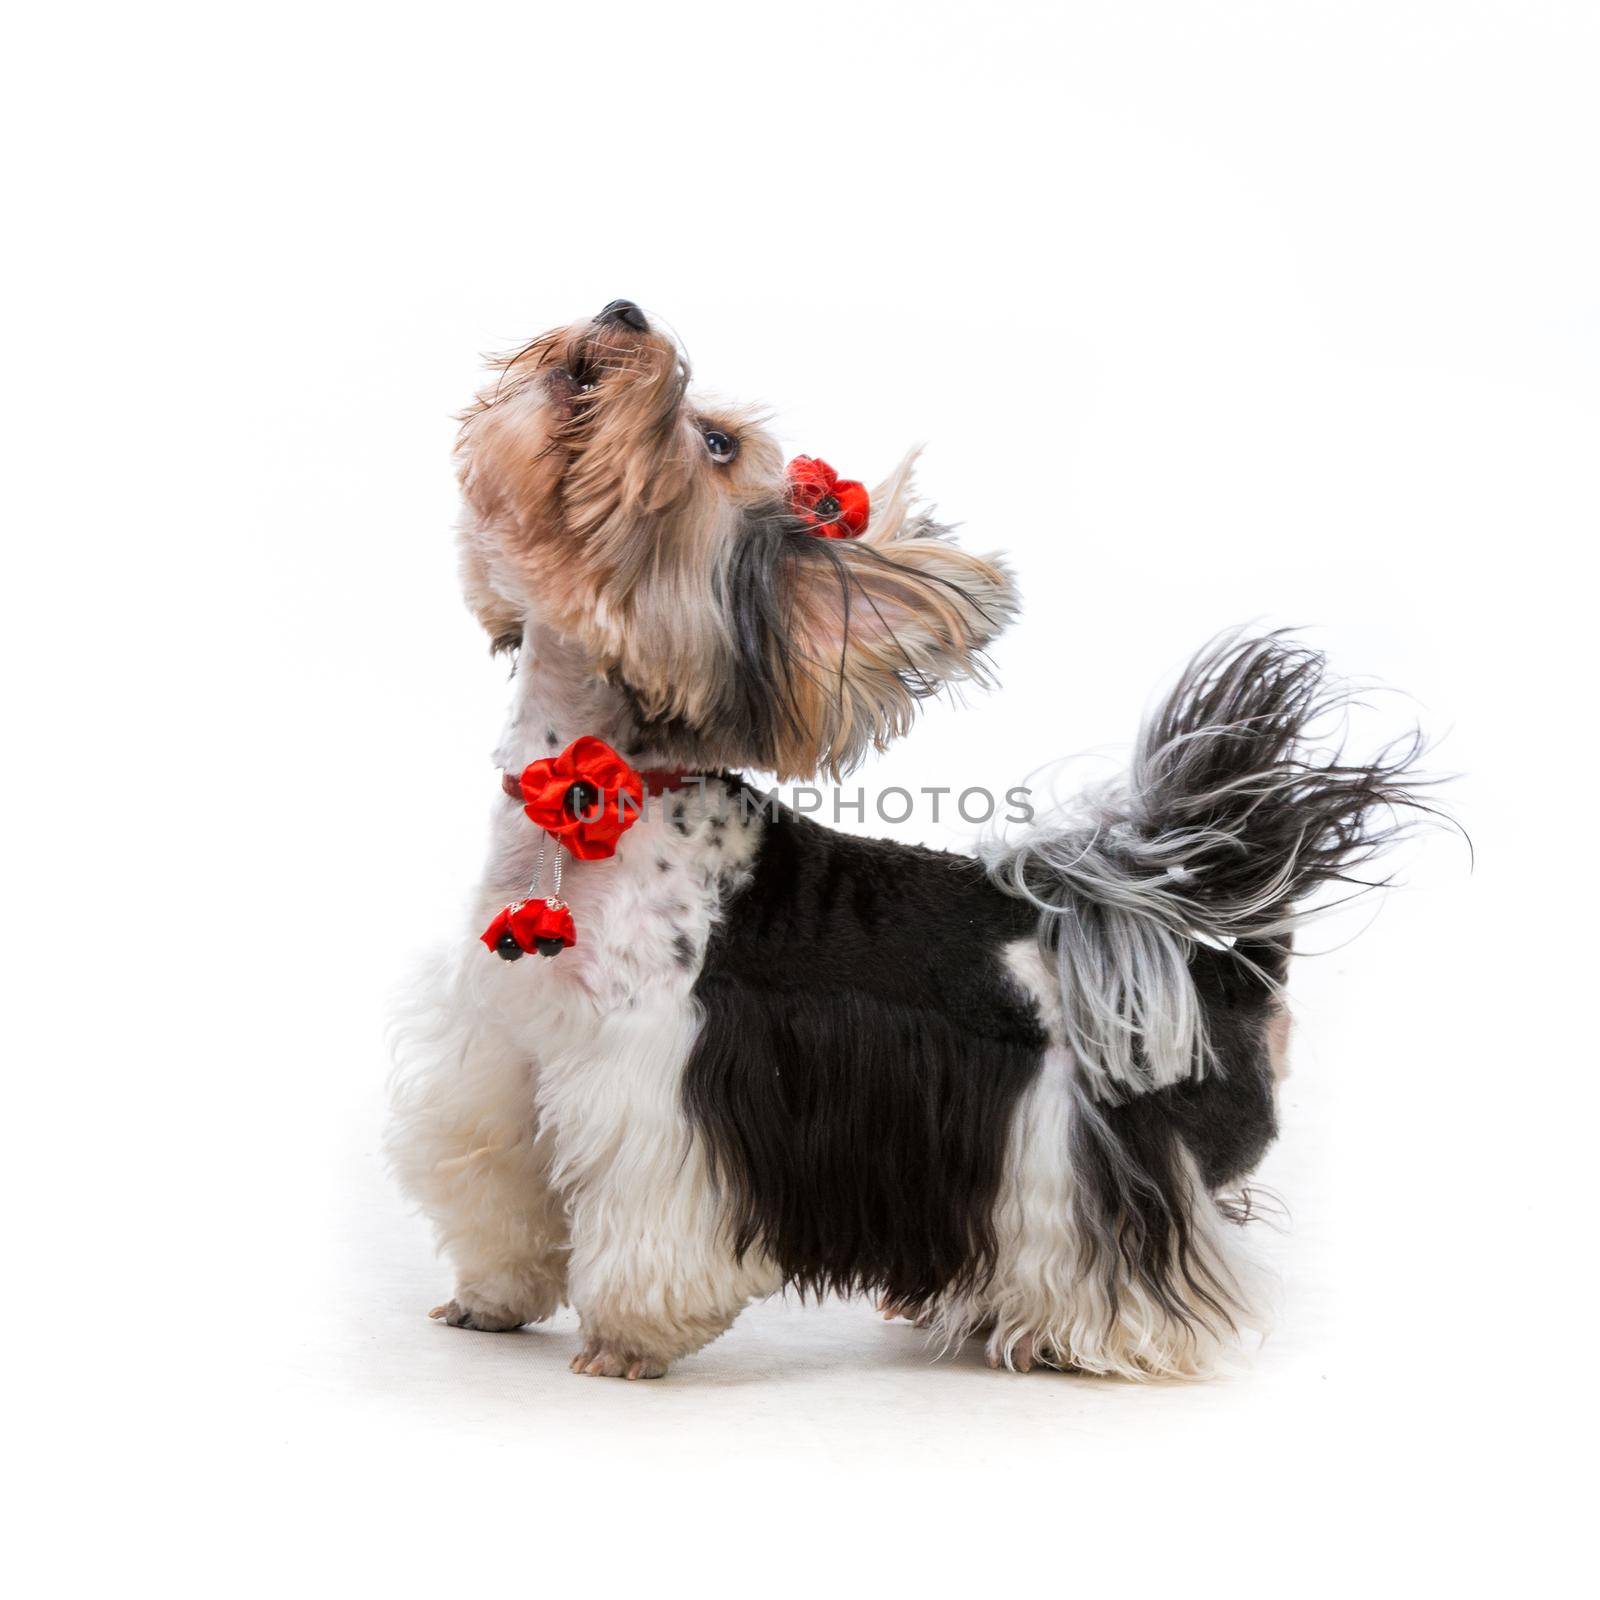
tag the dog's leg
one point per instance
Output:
(503, 1226)
(464, 1144)
(1026, 1311)
(652, 1274)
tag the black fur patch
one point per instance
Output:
(862, 1054)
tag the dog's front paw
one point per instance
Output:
(499, 1302)
(470, 1312)
(598, 1360)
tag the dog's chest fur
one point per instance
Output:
(644, 916)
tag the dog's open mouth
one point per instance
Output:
(588, 360)
(565, 385)
(583, 369)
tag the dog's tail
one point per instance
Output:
(1167, 898)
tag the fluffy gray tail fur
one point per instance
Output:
(1233, 815)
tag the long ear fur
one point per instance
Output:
(839, 639)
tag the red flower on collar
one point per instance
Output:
(586, 798)
(530, 925)
(831, 506)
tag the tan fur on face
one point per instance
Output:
(606, 506)
(591, 496)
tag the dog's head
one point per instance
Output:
(654, 530)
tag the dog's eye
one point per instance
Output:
(721, 446)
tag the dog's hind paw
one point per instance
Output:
(892, 1310)
(482, 1318)
(600, 1361)
(1023, 1354)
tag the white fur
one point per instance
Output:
(537, 1117)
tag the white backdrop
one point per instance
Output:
(1206, 314)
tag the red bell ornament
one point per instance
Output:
(543, 925)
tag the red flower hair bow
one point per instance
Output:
(831, 506)
(586, 798)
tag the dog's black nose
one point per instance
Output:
(627, 313)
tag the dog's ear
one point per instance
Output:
(486, 584)
(509, 459)
(874, 625)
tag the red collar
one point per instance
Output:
(657, 780)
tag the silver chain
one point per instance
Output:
(556, 902)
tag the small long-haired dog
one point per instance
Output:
(1012, 1098)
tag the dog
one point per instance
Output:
(1014, 1098)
